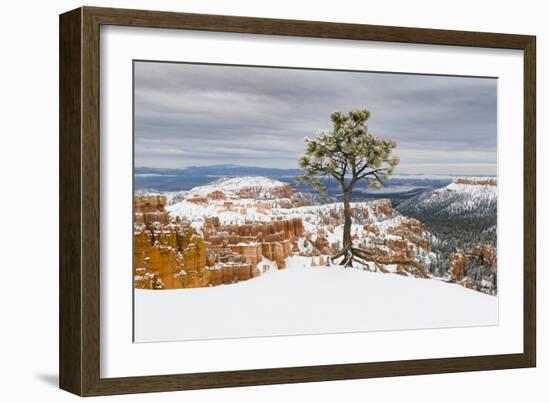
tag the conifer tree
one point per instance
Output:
(350, 154)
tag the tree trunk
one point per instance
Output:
(346, 252)
(347, 220)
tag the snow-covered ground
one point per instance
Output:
(309, 300)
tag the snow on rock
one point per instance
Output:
(234, 200)
(235, 214)
(309, 300)
(478, 189)
(196, 213)
(465, 195)
(231, 187)
(375, 225)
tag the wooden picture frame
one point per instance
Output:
(79, 347)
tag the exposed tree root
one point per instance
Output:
(352, 255)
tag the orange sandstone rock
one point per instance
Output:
(476, 181)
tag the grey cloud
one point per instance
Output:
(189, 114)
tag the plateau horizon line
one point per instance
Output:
(240, 166)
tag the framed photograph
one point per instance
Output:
(248, 201)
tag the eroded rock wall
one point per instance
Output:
(170, 253)
(167, 253)
(475, 268)
(274, 240)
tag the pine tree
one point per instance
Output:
(351, 154)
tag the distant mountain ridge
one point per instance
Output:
(475, 197)
(400, 187)
(221, 170)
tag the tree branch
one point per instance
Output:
(373, 172)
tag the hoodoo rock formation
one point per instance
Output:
(237, 229)
(170, 253)
(406, 245)
(475, 268)
(167, 253)
(385, 237)
(274, 240)
(149, 209)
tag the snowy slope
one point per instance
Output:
(260, 185)
(455, 199)
(305, 300)
(312, 215)
(196, 213)
(230, 186)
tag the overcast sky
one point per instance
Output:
(189, 114)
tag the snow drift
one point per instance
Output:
(309, 300)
